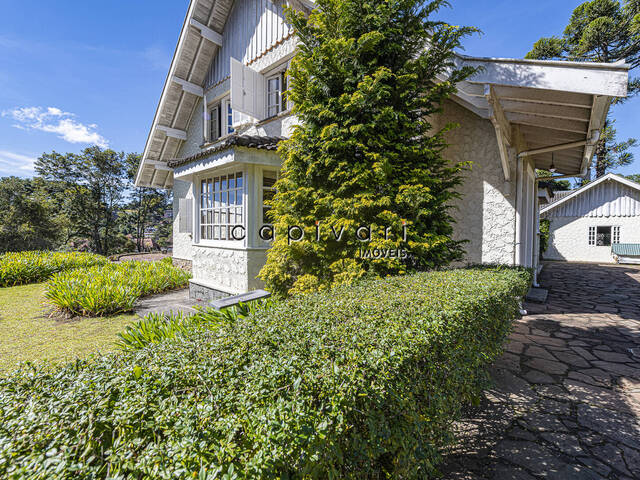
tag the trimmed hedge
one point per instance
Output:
(22, 268)
(363, 381)
(112, 288)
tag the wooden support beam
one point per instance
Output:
(502, 127)
(189, 87)
(552, 111)
(158, 165)
(549, 123)
(172, 132)
(553, 148)
(532, 95)
(207, 33)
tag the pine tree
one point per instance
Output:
(365, 81)
(600, 31)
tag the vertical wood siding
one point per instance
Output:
(609, 199)
(253, 28)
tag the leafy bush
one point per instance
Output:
(363, 381)
(111, 288)
(156, 328)
(31, 267)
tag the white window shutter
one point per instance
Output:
(185, 215)
(247, 92)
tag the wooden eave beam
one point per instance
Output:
(188, 87)
(502, 127)
(206, 32)
(172, 132)
(549, 123)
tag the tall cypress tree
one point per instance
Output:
(367, 78)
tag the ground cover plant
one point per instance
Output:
(32, 267)
(111, 288)
(363, 381)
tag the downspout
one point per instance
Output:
(518, 220)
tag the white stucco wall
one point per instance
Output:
(569, 238)
(485, 213)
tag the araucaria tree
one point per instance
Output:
(600, 31)
(367, 78)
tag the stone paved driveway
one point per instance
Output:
(566, 398)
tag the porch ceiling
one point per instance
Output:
(548, 110)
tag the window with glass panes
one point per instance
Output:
(616, 235)
(215, 124)
(269, 178)
(276, 99)
(221, 206)
(229, 116)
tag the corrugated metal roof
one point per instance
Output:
(626, 249)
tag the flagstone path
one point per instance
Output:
(565, 403)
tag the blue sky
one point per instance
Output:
(74, 73)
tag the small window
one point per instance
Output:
(592, 235)
(269, 178)
(276, 99)
(215, 123)
(616, 235)
(221, 206)
(603, 236)
(229, 116)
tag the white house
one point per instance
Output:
(222, 113)
(599, 222)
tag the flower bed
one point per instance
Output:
(32, 267)
(112, 288)
(363, 381)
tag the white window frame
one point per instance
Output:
(592, 236)
(221, 110)
(209, 210)
(615, 234)
(276, 99)
(262, 207)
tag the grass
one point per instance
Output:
(27, 334)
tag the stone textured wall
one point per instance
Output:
(569, 238)
(181, 241)
(485, 213)
(227, 269)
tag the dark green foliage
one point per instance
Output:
(29, 218)
(364, 84)
(545, 223)
(32, 267)
(600, 31)
(362, 382)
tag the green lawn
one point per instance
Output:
(27, 334)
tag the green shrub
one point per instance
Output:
(363, 381)
(31, 267)
(156, 328)
(111, 288)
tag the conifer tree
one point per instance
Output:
(367, 78)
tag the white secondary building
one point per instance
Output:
(599, 222)
(222, 113)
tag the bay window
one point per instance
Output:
(221, 206)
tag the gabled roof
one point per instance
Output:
(575, 193)
(535, 106)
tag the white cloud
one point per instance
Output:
(15, 163)
(54, 120)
